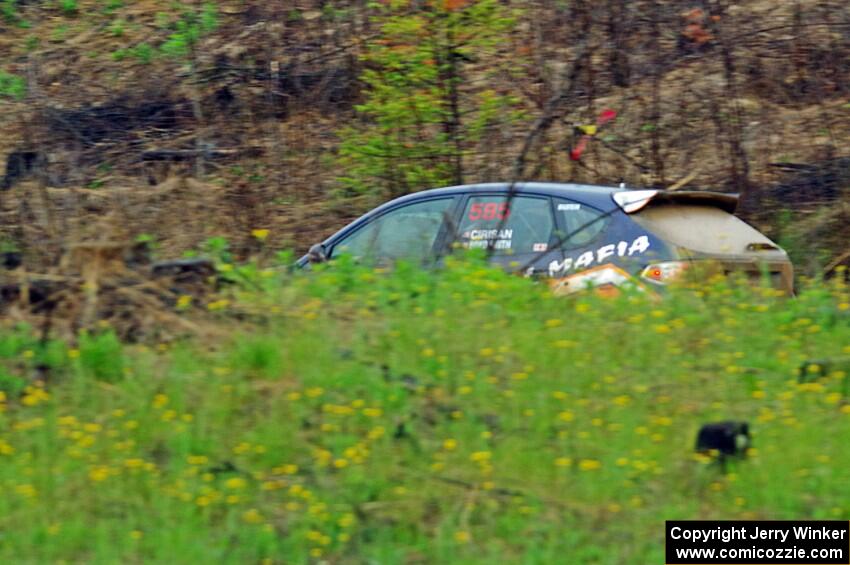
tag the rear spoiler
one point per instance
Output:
(633, 200)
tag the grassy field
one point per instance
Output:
(353, 416)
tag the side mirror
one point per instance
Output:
(317, 253)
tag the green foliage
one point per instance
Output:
(189, 30)
(8, 245)
(101, 356)
(424, 416)
(9, 11)
(412, 136)
(116, 28)
(218, 248)
(112, 5)
(12, 86)
(69, 7)
(33, 42)
(142, 52)
(59, 33)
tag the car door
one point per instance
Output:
(409, 231)
(597, 249)
(520, 231)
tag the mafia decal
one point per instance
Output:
(588, 258)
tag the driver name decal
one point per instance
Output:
(588, 258)
(481, 239)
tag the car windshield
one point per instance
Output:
(406, 232)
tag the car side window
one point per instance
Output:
(523, 225)
(407, 232)
(582, 223)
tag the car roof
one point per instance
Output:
(593, 195)
(597, 196)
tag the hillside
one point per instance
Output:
(127, 119)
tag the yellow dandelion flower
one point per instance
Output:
(218, 304)
(589, 465)
(449, 444)
(26, 490)
(462, 536)
(346, 520)
(563, 462)
(243, 447)
(99, 473)
(6, 448)
(235, 483)
(252, 516)
(34, 396)
(134, 463)
(260, 234)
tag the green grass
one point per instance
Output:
(467, 417)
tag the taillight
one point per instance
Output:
(663, 273)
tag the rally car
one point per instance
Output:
(576, 235)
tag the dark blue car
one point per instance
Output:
(576, 235)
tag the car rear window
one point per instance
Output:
(525, 225)
(583, 224)
(704, 229)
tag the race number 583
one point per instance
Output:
(488, 211)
